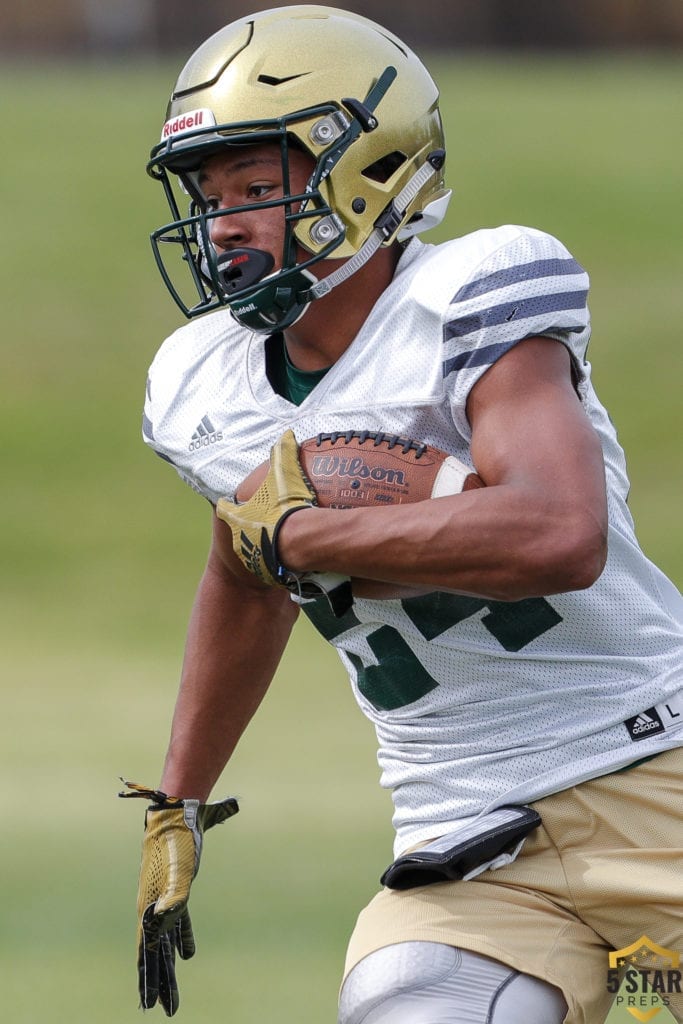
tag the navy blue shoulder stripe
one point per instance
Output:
(522, 309)
(147, 427)
(477, 357)
(515, 274)
(482, 356)
(148, 434)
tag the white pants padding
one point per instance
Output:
(432, 983)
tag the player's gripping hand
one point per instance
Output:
(255, 523)
(171, 851)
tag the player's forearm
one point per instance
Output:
(496, 542)
(234, 644)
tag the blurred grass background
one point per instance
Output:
(102, 546)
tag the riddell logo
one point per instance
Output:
(193, 119)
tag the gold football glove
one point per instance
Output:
(171, 851)
(255, 524)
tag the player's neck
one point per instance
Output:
(331, 323)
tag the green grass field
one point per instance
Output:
(102, 546)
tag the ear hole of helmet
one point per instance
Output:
(381, 170)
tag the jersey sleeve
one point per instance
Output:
(529, 285)
(158, 429)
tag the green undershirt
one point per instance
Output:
(287, 379)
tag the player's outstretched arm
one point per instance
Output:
(237, 633)
(538, 527)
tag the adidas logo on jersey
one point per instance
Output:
(204, 435)
(647, 723)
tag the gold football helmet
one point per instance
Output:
(342, 89)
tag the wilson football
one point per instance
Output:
(362, 468)
(357, 469)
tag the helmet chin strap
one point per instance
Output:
(276, 305)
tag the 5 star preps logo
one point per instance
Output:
(646, 980)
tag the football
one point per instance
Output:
(363, 468)
(371, 469)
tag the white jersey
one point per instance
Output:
(476, 703)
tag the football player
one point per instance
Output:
(527, 695)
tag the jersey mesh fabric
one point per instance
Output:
(475, 703)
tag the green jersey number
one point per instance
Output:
(399, 678)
